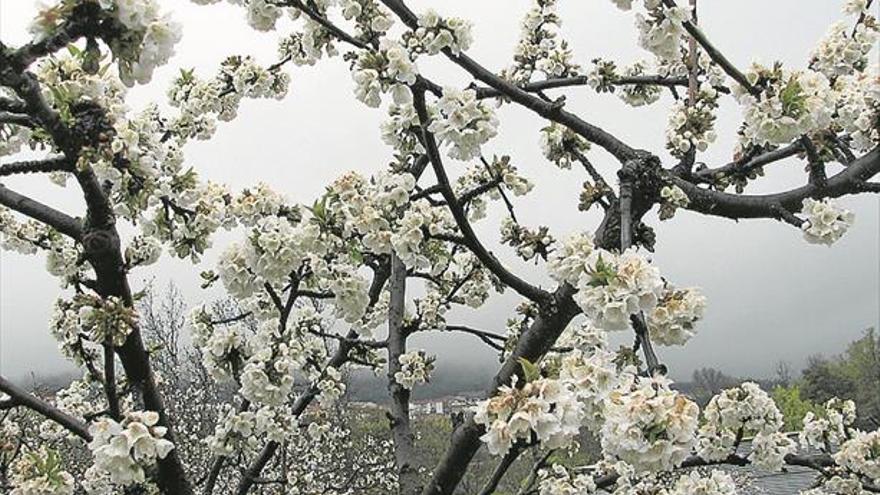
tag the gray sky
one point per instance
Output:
(771, 295)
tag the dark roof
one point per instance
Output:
(791, 481)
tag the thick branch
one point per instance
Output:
(59, 221)
(815, 163)
(12, 105)
(401, 433)
(16, 119)
(850, 181)
(23, 398)
(532, 344)
(55, 164)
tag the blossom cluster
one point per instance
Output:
(124, 449)
(142, 251)
(223, 346)
(409, 240)
(842, 50)
(80, 399)
(463, 122)
(480, 177)
(604, 77)
(744, 410)
(307, 47)
(661, 31)
(388, 69)
(611, 287)
(539, 48)
(545, 407)
(673, 319)
(592, 371)
(692, 124)
(88, 319)
(63, 257)
(695, 483)
(401, 130)
(673, 197)
(527, 242)
(277, 355)
(40, 473)
(238, 429)
(789, 104)
(648, 425)
(203, 101)
(825, 222)
(145, 38)
(557, 480)
(330, 387)
(355, 212)
(858, 108)
(415, 369)
(830, 426)
(436, 33)
(368, 16)
(861, 455)
(561, 145)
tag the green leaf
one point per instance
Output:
(531, 371)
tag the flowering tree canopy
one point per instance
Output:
(325, 287)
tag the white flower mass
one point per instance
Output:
(259, 389)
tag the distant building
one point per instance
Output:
(442, 405)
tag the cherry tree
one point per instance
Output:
(326, 286)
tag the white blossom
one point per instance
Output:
(124, 449)
(825, 221)
(648, 425)
(464, 123)
(415, 369)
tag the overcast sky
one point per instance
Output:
(771, 295)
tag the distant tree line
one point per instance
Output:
(854, 374)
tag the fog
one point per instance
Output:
(771, 295)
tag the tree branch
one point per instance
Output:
(401, 432)
(815, 163)
(548, 110)
(54, 164)
(472, 241)
(501, 469)
(566, 82)
(850, 181)
(59, 221)
(715, 54)
(16, 119)
(532, 344)
(23, 398)
(744, 167)
(491, 339)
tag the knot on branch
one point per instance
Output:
(643, 174)
(644, 235)
(640, 184)
(91, 125)
(99, 243)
